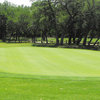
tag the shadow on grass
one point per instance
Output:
(97, 48)
(51, 45)
(44, 77)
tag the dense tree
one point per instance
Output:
(76, 20)
(3, 21)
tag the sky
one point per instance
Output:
(18, 2)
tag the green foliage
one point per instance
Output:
(75, 19)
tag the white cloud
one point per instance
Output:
(19, 2)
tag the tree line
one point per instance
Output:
(76, 20)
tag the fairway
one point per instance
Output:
(37, 73)
(49, 61)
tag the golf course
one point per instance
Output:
(43, 73)
(49, 49)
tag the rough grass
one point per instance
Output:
(49, 89)
(36, 73)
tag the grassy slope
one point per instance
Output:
(50, 61)
(58, 66)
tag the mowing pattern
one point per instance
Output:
(32, 73)
(49, 61)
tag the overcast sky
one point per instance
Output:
(19, 2)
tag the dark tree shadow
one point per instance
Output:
(97, 48)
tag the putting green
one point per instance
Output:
(30, 60)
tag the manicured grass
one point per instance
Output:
(49, 61)
(36, 73)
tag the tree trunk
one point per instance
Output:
(41, 40)
(96, 41)
(33, 39)
(16, 38)
(74, 40)
(9, 39)
(4, 37)
(46, 40)
(69, 41)
(90, 41)
(19, 39)
(62, 39)
(79, 40)
(57, 40)
(85, 40)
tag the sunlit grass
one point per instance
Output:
(37, 73)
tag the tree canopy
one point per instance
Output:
(76, 20)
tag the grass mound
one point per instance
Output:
(25, 59)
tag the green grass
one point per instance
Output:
(49, 89)
(36, 73)
(53, 40)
